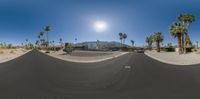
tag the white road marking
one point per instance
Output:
(127, 67)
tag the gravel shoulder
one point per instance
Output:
(9, 54)
(86, 56)
(174, 58)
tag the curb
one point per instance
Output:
(91, 61)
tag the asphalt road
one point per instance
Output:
(131, 76)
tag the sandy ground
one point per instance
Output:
(86, 56)
(174, 58)
(198, 51)
(9, 54)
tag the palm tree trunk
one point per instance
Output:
(183, 42)
(150, 46)
(158, 46)
(186, 37)
(121, 44)
(179, 43)
(47, 41)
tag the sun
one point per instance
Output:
(100, 26)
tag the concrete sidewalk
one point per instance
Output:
(174, 58)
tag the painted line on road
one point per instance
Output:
(127, 67)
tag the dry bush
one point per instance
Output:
(1, 52)
(12, 52)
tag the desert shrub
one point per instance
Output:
(1, 52)
(169, 49)
(12, 52)
(29, 46)
(162, 49)
(115, 48)
(68, 45)
(58, 48)
(124, 48)
(68, 48)
(189, 49)
(80, 47)
(131, 49)
(9, 46)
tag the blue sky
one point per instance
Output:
(70, 19)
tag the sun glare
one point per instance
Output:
(100, 26)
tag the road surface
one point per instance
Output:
(131, 76)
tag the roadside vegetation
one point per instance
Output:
(178, 30)
(43, 42)
(158, 38)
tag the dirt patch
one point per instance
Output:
(198, 51)
(9, 54)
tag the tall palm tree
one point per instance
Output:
(37, 43)
(124, 37)
(47, 29)
(121, 38)
(41, 34)
(149, 41)
(176, 31)
(26, 43)
(61, 42)
(75, 40)
(158, 38)
(186, 20)
(26, 40)
(41, 38)
(132, 42)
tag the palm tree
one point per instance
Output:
(26, 40)
(132, 42)
(75, 40)
(37, 43)
(158, 38)
(121, 38)
(124, 37)
(26, 43)
(176, 31)
(40, 37)
(61, 42)
(47, 29)
(149, 41)
(186, 20)
(41, 34)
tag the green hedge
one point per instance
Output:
(189, 49)
(170, 49)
